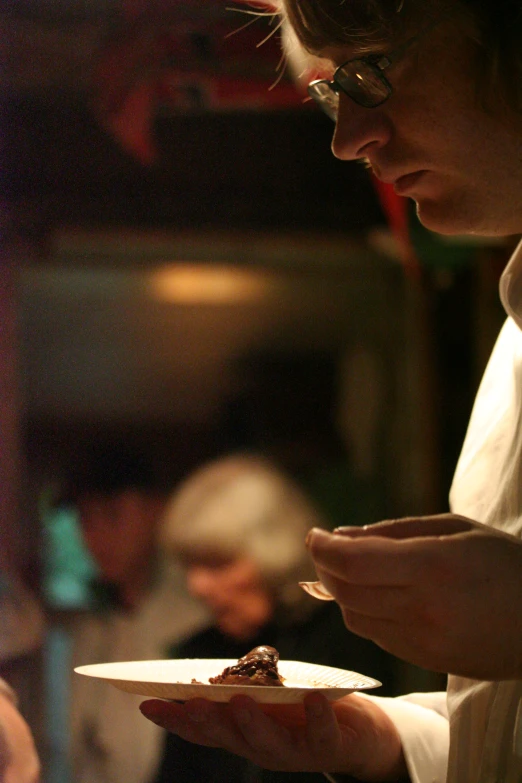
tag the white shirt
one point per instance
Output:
(473, 734)
(485, 716)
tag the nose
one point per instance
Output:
(200, 582)
(358, 130)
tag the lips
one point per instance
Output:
(405, 183)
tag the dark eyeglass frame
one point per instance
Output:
(325, 92)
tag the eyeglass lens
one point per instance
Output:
(363, 82)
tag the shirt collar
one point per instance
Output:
(511, 287)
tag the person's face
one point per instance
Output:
(434, 141)
(233, 591)
(119, 532)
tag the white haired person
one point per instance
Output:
(239, 525)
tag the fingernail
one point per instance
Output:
(316, 590)
(150, 711)
(315, 531)
(346, 529)
(309, 536)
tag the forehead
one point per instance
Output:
(329, 58)
(443, 30)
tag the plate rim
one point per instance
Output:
(366, 681)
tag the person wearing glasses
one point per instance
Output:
(429, 94)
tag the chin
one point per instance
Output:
(445, 219)
(236, 633)
(458, 217)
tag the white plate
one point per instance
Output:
(172, 679)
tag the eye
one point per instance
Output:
(210, 561)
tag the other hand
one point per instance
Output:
(442, 592)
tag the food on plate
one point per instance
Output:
(258, 667)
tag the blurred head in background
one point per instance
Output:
(239, 525)
(120, 502)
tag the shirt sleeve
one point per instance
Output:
(422, 722)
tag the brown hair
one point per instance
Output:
(322, 23)
(496, 24)
(499, 23)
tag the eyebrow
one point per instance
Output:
(361, 52)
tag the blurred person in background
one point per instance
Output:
(21, 617)
(140, 609)
(238, 525)
(19, 761)
(21, 632)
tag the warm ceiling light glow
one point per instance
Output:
(203, 284)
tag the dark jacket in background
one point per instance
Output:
(323, 639)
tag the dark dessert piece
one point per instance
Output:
(258, 667)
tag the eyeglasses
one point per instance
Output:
(362, 79)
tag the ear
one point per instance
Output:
(128, 503)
